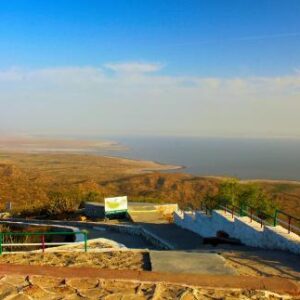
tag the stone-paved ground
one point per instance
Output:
(52, 288)
(107, 260)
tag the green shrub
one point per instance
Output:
(248, 196)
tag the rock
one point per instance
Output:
(36, 292)
(7, 290)
(114, 297)
(146, 290)
(15, 280)
(84, 283)
(164, 291)
(113, 286)
(132, 297)
(20, 297)
(189, 295)
(75, 297)
(61, 290)
(46, 282)
(96, 293)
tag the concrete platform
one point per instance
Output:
(189, 263)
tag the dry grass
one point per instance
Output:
(26, 180)
(78, 167)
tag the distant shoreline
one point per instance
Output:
(164, 167)
(30, 144)
(48, 146)
(258, 180)
(148, 166)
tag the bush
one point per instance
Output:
(233, 193)
(63, 202)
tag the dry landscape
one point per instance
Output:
(26, 180)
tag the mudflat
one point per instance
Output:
(31, 144)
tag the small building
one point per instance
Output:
(94, 210)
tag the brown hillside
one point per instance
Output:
(26, 179)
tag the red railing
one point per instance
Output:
(289, 224)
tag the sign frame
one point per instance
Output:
(115, 201)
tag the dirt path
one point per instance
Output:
(273, 284)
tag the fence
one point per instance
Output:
(263, 218)
(289, 224)
(42, 243)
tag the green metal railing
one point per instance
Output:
(251, 212)
(263, 218)
(290, 219)
(42, 243)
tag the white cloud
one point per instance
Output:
(134, 67)
(88, 99)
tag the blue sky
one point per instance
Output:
(210, 38)
(153, 47)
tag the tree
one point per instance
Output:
(229, 192)
(246, 196)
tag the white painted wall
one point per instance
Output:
(222, 222)
(278, 238)
(248, 232)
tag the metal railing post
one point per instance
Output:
(241, 211)
(85, 241)
(43, 243)
(275, 217)
(1, 241)
(290, 221)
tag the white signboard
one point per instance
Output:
(116, 204)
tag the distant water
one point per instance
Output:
(243, 158)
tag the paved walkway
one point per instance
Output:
(273, 284)
(184, 242)
(124, 238)
(179, 238)
(146, 216)
(188, 263)
(153, 221)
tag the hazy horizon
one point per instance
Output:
(157, 68)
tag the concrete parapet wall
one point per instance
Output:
(204, 224)
(250, 233)
(222, 222)
(278, 238)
